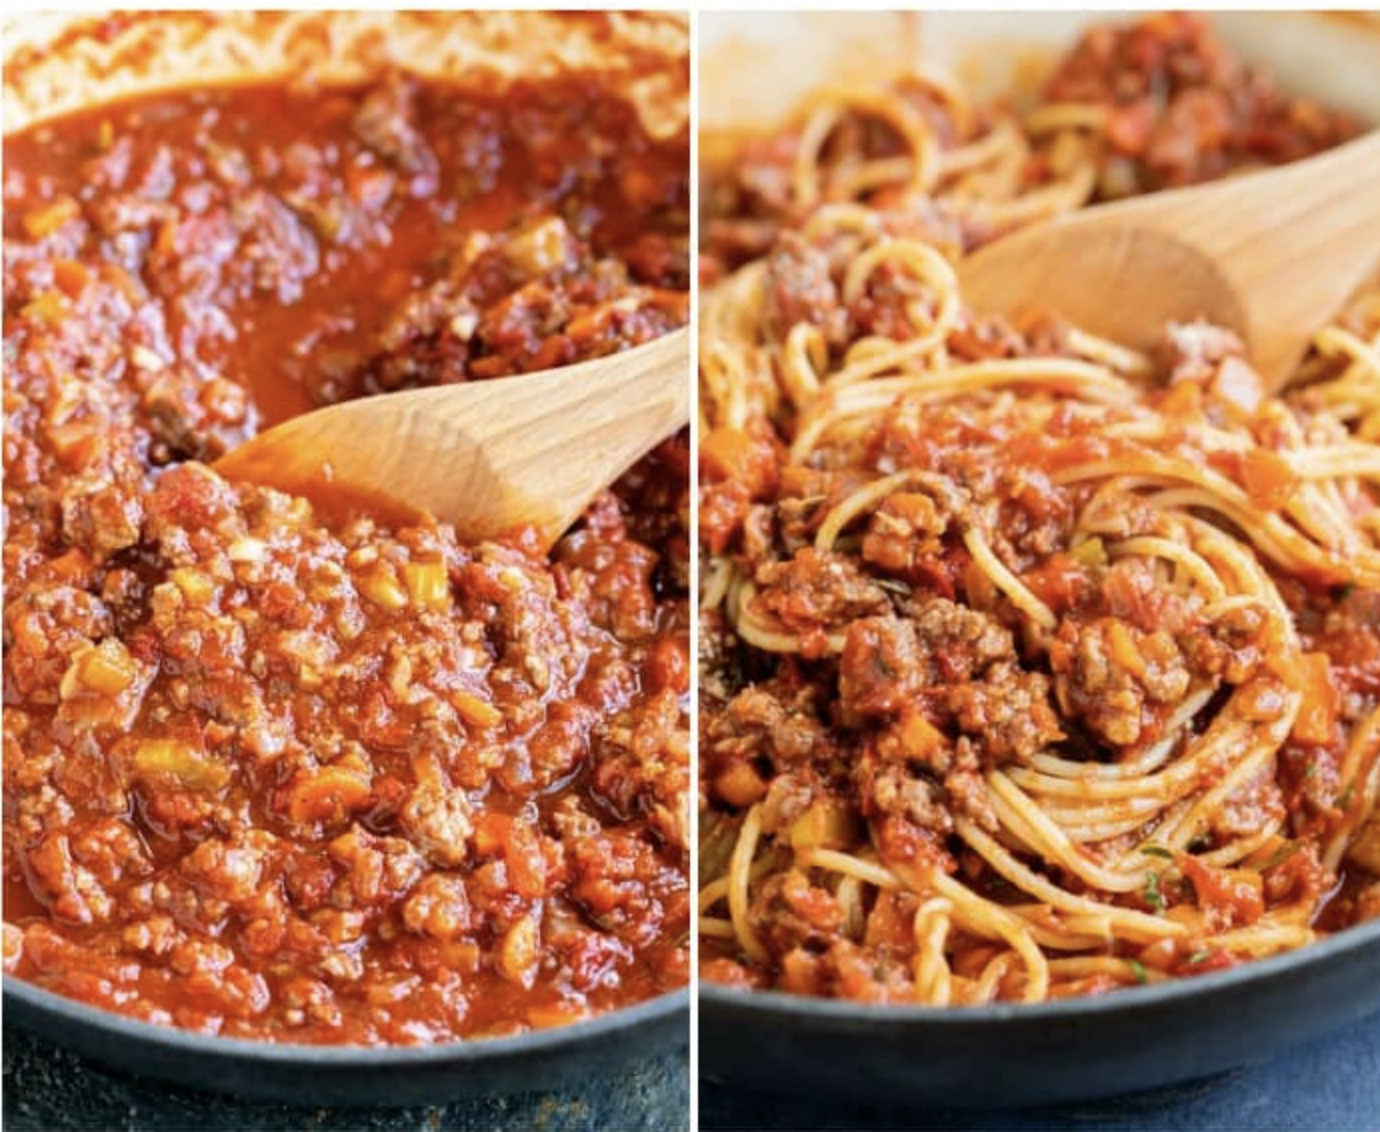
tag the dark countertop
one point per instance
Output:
(1330, 1085)
(49, 1089)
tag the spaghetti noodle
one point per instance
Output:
(1031, 666)
(1155, 104)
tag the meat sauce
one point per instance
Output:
(1180, 108)
(825, 742)
(1183, 108)
(295, 773)
(898, 655)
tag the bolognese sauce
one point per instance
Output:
(1154, 104)
(1031, 665)
(300, 774)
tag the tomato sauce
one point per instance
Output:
(304, 774)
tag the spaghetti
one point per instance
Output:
(1156, 104)
(1031, 666)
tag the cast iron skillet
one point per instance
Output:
(353, 1075)
(1011, 1054)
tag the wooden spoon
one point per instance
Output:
(1269, 255)
(491, 457)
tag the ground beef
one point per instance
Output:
(818, 588)
(891, 788)
(962, 642)
(881, 667)
(801, 289)
(1111, 677)
(1007, 714)
(791, 912)
(762, 721)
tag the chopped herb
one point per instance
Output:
(1344, 802)
(1157, 851)
(1345, 590)
(1199, 957)
(1153, 896)
(1138, 969)
(1311, 770)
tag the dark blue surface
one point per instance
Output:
(1332, 1085)
(47, 1088)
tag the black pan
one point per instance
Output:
(1010, 1054)
(353, 1075)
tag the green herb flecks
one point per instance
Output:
(1153, 896)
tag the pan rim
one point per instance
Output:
(1356, 939)
(559, 1039)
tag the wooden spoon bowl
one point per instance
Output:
(1269, 255)
(490, 457)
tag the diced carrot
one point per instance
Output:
(196, 585)
(329, 792)
(71, 276)
(827, 824)
(731, 454)
(1062, 579)
(475, 711)
(1317, 718)
(490, 832)
(740, 785)
(919, 737)
(520, 847)
(165, 240)
(73, 567)
(917, 509)
(462, 955)
(1182, 400)
(48, 218)
(1268, 478)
